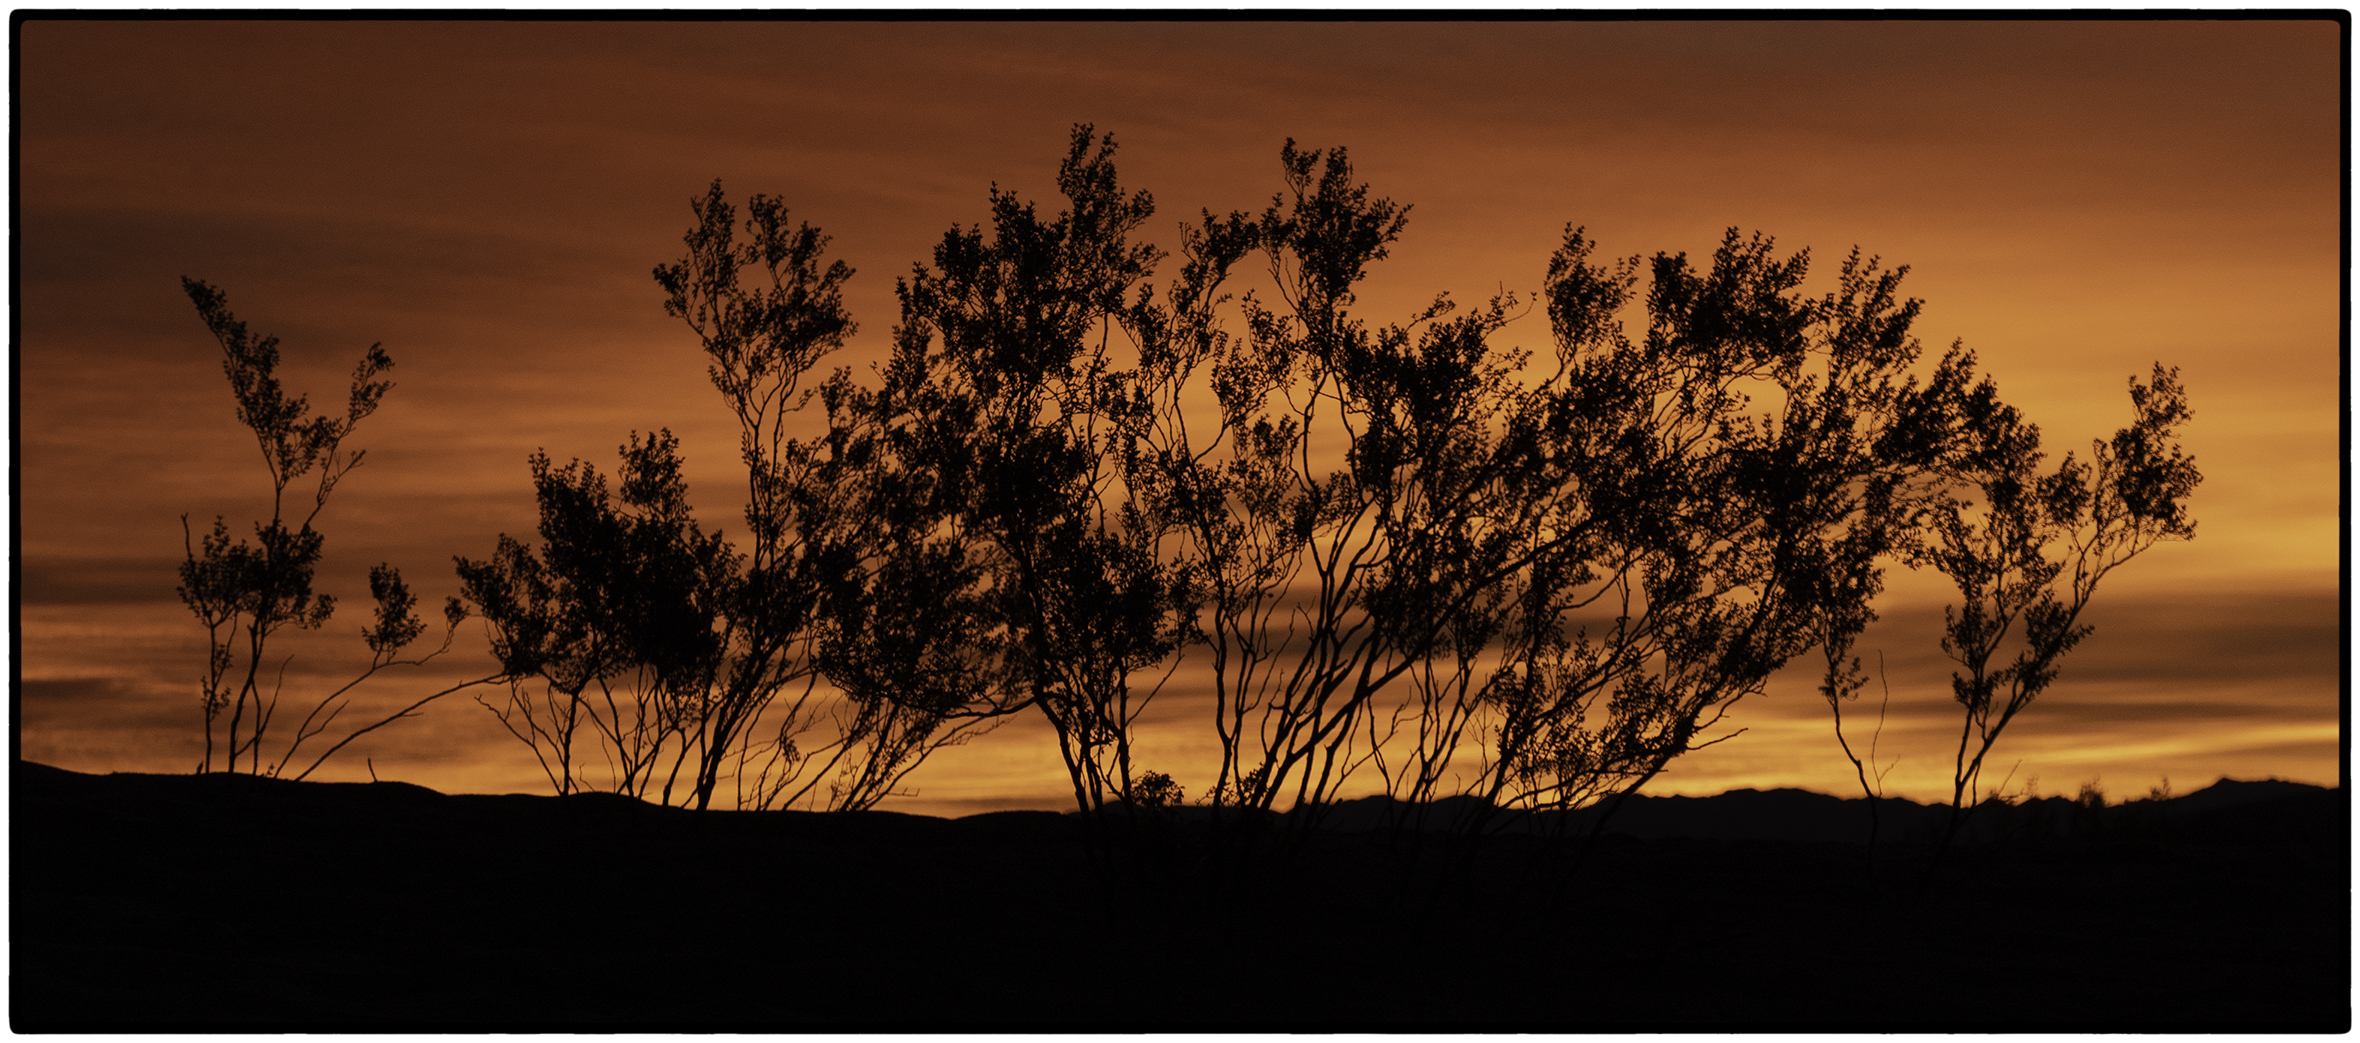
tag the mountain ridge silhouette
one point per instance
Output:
(1791, 814)
(1784, 814)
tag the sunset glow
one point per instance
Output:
(2076, 201)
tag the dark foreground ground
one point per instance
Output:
(144, 902)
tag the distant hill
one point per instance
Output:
(2229, 808)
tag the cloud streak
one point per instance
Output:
(2076, 200)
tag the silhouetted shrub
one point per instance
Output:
(2027, 557)
(244, 593)
(1404, 547)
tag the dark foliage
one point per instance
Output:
(2030, 564)
(616, 615)
(1533, 579)
(1003, 394)
(244, 593)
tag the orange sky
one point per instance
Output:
(2076, 200)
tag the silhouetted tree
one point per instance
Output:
(244, 593)
(1336, 517)
(1397, 542)
(766, 308)
(1006, 402)
(1682, 547)
(843, 580)
(2028, 555)
(616, 616)
(676, 649)
(1577, 576)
